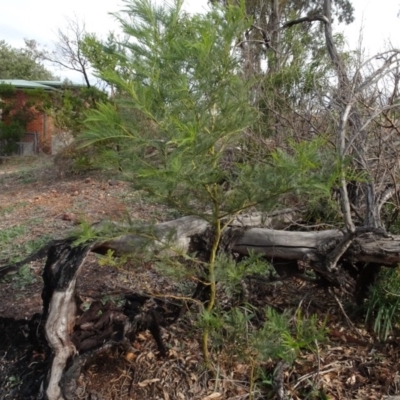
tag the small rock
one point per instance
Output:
(68, 217)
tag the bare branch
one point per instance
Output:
(365, 125)
(68, 52)
(310, 18)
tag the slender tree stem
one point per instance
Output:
(211, 271)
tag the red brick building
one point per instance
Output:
(40, 128)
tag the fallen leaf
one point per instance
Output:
(351, 380)
(241, 368)
(214, 395)
(166, 395)
(147, 382)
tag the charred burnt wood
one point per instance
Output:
(68, 336)
(60, 272)
(141, 320)
(103, 323)
(59, 308)
(366, 278)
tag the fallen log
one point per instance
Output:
(67, 335)
(176, 236)
(70, 337)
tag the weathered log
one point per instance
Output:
(65, 261)
(279, 219)
(67, 335)
(70, 338)
(59, 308)
(176, 235)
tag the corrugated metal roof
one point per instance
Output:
(21, 84)
(61, 84)
(51, 83)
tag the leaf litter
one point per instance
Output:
(351, 365)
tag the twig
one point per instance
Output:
(319, 372)
(349, 322)
(278, 380)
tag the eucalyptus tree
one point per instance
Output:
(272, 18)
(285, 46)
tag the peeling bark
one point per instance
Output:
(60, 274)
(175, 237)
(73, 340)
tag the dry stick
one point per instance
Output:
(349, 322)
(319, 362)
(336, 254)
(320, 372)
(333, 258)
(251, 386)
(278, 380)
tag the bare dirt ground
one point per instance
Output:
(36, 205)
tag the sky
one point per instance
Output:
(41, 19)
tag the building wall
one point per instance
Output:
(41, 124)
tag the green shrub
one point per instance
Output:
(10, 134)
(383, 304)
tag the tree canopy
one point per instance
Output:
(21, 64)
